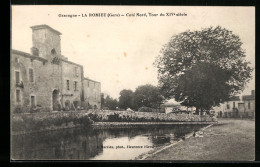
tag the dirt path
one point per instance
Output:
(229, 140)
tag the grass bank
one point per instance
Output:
(26, 123)
(230, 140)
(132, 116)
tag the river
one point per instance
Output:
(95, 144)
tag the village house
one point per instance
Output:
(237, 106)
(48, 80)
(175, 107)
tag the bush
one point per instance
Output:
(145, 109)
(36, 122)
(84, 105)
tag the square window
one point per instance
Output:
(228, 106)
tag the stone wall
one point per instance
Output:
(50, 72)
(73, 73)
(45, 79)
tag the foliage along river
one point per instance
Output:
(95, 144)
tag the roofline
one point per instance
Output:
(70, 62)
(28, 55)
(37, 27)
(234, 100)
(91, 80)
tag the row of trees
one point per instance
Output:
(145, 95)
(197, 68)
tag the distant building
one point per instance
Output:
(46, 79)
(173, 107)
(249, 104)
(238, 107)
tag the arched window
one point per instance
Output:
(53, 51)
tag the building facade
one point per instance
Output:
(92, 93)
(45, 78)
(238, 107)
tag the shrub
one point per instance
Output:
(34, 122)
(84, 105)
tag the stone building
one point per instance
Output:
(45, 78)
(249, 104)
(92, 91)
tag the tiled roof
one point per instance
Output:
(90, 80)
(45, 26)
(234, 98)
(70, 62)
(28, 55)
(248, 97)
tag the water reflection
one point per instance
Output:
(85, 144)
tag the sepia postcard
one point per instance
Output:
(132, 83)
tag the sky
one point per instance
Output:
(119, 51)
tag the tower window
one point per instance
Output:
(53, 51)
(16, 60)
(249, 105)
(68, 85)
(32, 101)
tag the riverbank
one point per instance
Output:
(107, 125)
(38, 122)
(45, 121)
(229, 140)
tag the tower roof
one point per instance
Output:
(44, 26)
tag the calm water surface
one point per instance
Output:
(95, 144)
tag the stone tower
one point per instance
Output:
(46, 42)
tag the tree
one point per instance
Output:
(110, 103)
(147, 96)
(126, 99)
(203, 68)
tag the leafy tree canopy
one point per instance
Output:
(110, 103)
(126, 99)
(210, 61)
(148, 96)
